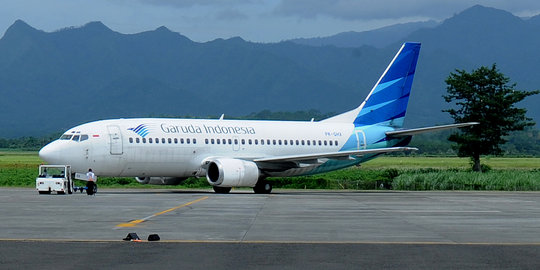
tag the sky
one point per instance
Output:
(253, 20)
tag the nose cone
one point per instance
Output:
(50, 153)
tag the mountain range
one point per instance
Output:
(378, 38)
(51, 81)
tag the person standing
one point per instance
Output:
(91, 182)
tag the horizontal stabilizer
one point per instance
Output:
(414, 131)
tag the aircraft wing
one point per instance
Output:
(414, 131)
(331, 155)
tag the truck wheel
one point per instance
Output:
(60, 192)
(44, 192)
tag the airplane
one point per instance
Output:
(244, 153)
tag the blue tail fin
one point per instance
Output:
(387, 102)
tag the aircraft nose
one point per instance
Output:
(49, 153)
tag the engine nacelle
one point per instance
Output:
(160, 180)
(227, 172)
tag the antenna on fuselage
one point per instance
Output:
(221, 117)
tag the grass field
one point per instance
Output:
(19, 159)
(405, 173)
(497, 163)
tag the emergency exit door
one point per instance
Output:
(235, 143)
(115, 140)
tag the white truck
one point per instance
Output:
(54, 178)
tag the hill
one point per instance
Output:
(378, 38)
(475, 37)
(53, 81)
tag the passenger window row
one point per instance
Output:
(164, 141)
(235, 141)
(272, 142)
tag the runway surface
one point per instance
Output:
(286, 229)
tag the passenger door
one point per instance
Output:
(115, 140)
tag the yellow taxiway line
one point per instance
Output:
(134, 223)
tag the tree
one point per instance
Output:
(484, 96)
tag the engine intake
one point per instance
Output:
(232, 173)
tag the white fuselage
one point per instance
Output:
(178, 147)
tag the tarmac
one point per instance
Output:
(288, 229)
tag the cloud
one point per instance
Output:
(230, 15)
(222, 10)
(392, 9)
(191, 3)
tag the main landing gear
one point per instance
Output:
(263, 187)
(222, 190)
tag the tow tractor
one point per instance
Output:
(54, 178)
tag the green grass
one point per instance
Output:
(19, 169)
(507, 180)
(17, 159)
(499, 163)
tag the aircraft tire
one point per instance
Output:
(222, 190)
(263, 187)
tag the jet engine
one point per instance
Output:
(160, 180)
(226, 172)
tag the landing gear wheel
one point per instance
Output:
(263, 187)
(222, 190)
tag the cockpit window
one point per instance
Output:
(66, 137)
(76, 138)
(84, 138)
